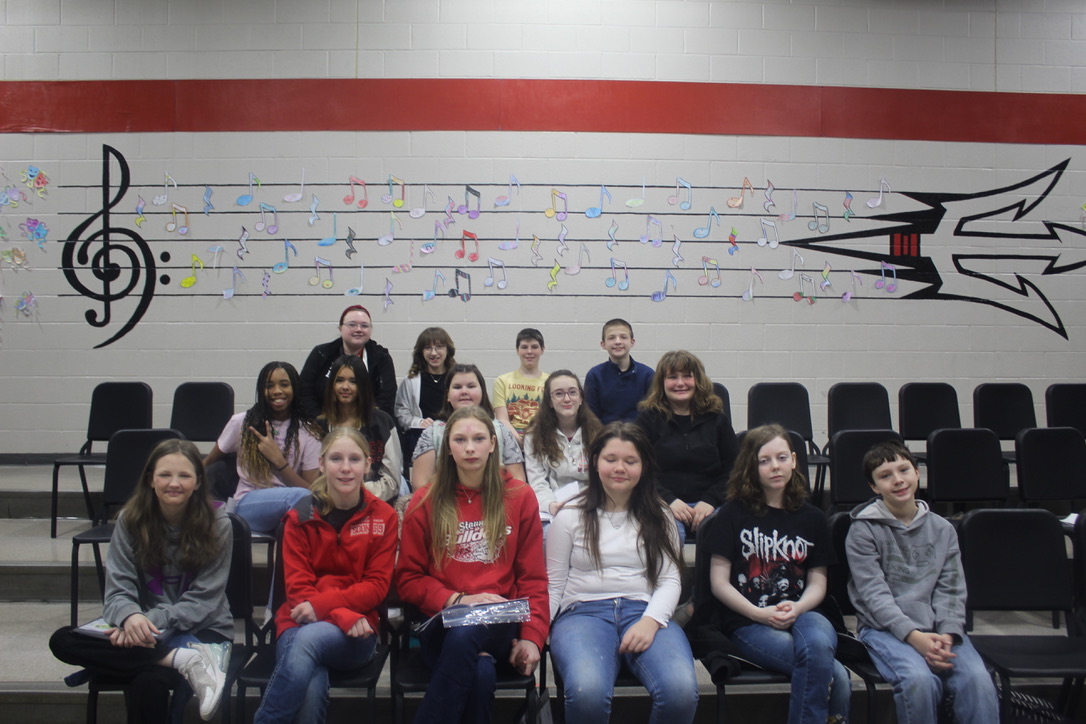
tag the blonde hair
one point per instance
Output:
(322, 501)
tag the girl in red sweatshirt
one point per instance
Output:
(473, 536)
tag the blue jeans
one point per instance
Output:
(584, 645)
(463, 661)
(264, 508)
(298, 688)
(918, 690)
(820, 684)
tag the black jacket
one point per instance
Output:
(693, 465)
(318, 367)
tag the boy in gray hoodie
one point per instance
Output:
(909, 592)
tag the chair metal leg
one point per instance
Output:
(86, 493)
(53, 502)
(100, 570)
(75, 583)
(92, 707)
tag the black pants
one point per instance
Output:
(147, 693)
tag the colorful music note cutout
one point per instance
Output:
(826, 283)
(685, 205)
(294, 198)
(791, 216)
(510, 245)
(678, 258)
(883, 186)
(316, 279)
(172, 223)
(162, 198)
(575, 269)
(703, 231)
(611, 235)
(388, 294)
(736, 202)
(266, 283)
(814, 224)
(390, 237)
(458, 290)
(552, 212)
(656, 239)
(351, 251)
(489, 281)
(448, 213)
(748, 295)
(285, 264)
(234, 276)
(140, 205)
(430, 246)
(705, 278)
(419, 211)
(393, 181)
(613, 280)
(314, 217)
(329, 240)
(273, 227)
(635, 202)
(355, 291)
(562, 246)
(350, 197)
(662, 294)
(853, 281)
(764, 239)
(217, 250)
(805, 282)
(469, 192)
(191, 280)
(553, 283)
(536, 256)
(769, 189)
(462, 251)
(847, 203)
(429, 294)
(789, 273)
(208, 206)
(593, 212)
(882, 283)
(731, 240)
(242, 249)
(246, 199)
(504, 200)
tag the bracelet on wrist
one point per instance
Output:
(282, 467)
(458, 597)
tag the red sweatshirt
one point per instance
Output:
(518, 571)
(344, 576)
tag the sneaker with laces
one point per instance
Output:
(206, 674)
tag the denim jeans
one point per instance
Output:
(463, 662)
(584, 645)
(298, 688)
(918, 690)
(820, 684)
(264, 508)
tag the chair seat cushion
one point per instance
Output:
(1034, 656)
(413, 675)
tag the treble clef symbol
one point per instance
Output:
(108, 261)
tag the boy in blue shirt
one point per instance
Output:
(909, 592)
(613, 388)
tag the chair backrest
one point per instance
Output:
(797, 446)
(125, 459)
(725, 399)
(1078, 538)
(857, 406)
(201, 409)
(848, 485)
(965, 464)
(1015, 559)
(784, 403)
(118, 406)
(1065, 405)
(838, 574)
(1004, 408)
(239, 585)
(704, 628)
(1051, 464)
(923, 407)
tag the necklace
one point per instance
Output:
(611, 519)
(435, 378)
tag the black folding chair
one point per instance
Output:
(788, 405)
(201, 409)
(1051, 465)
(1005, 408)
(924, 407)
(1065, 405)
(848, 484)
(965, 465)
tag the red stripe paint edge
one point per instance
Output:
(538, 105)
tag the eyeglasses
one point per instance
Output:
(560, 394)
(357, 325)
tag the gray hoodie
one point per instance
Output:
(905, 578)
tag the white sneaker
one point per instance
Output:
(206, 674)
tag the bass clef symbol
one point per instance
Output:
(117, 268)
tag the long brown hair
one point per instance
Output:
(364, 401)
(704, 401)
(145, 523)
(544, 426)
(256, 466)
(322, 500)
(431, 337)
(745, 485)
(655, 524)
(442, 494)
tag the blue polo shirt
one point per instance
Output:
(613, 394)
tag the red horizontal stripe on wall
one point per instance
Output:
(538, 105)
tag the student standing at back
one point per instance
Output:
(518, 394)
(909, 591)
(613, 388)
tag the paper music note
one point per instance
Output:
(562, 246)
(611, 235)
(674, 199)
(350, 197)
(217, 251)
(261, 225)
(536, 256)
(393, 181)
(703, 231)
(593, 212)
(731, 240)
(246, 199)
(235, 275)
(489, 281)
(172, 223)
(208, 206)
(847, 203)
(387, 198)
(461, 252)
(388, 294)
(805, 281)
(504, 200)
(285, 264)
(789, 273)
(770, 188)
(430, 246)
(242, 248)
(795, 208)
(764, 238)
(140, 204)
(552, 212)
(736, 202)
(613, 279)
(391, 236)
(882, 283)
(575, 269)
(448, 213)
(662, 294)
(355, 291)
(429, 294)
(466, 208)
(296, 197)
(314, 217)
(554, 276)
(883, 186)
(191, 280)
(351, 251)
(853, 281)
(316, 279)
(813, 225)
(458, 290)
(826, 283)
(419, 211)
(634, 203)
(404, 268)
(509, 245)
(329, 240)
(678, 258)
(704, 278)
(749, 294)
(658, 239)
(266, 283)
(162, 198)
